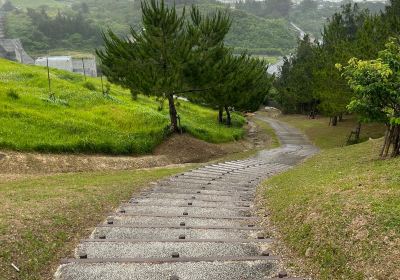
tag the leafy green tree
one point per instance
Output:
(376, 84)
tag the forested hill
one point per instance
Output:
(261, 27)
(76, 25)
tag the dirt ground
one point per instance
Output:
(177, 149)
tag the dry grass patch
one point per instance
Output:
(340, 212)
(41, 219)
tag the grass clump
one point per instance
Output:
(89, 86)
(87, 122)
(42, 219)
(12, 93)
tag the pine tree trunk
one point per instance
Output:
(396, 141)
(228, 117)
(221, 115)
(388, 141)
(334, 120)
(392, 142)
(358, 133)
(341, 117)
(385, 142)
(173, 114)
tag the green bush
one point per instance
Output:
(89, 86)
(12, 93)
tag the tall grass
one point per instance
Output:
(82, 120)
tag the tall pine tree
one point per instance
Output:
(151, 61)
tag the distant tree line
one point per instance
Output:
(62, 25)
(184, 55)
(310, 81)
(41, 32)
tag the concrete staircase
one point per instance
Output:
(198, 225)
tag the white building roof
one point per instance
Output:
(55, 58)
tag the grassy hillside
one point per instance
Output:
(339, 212)
(83, 120)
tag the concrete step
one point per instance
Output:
(208, 187)
(217, 184)
(176, 221)
(140, 249)
(232, 197)
(187, 195)
(174, 210)
(263, 268)
(220, 175)
(221, 192)
(232, 180)
(182, 202)
(114, 232)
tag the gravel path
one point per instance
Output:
(198, 225)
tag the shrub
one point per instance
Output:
(12, 93)
(89, 86)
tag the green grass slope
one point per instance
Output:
(326, 137)
(340, 211)
(83, 120)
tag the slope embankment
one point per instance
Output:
(338, 213)
(76, 116)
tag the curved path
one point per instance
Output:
(199, 225)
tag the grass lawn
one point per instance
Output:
(42, 219)
(339, 212)
(325, 136)
(83, 120)
(268, 130)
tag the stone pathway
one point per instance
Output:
(199, 225)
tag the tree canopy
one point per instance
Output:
(178, 55)
(309, 80)
(376, 84)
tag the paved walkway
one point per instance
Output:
(199, 225)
